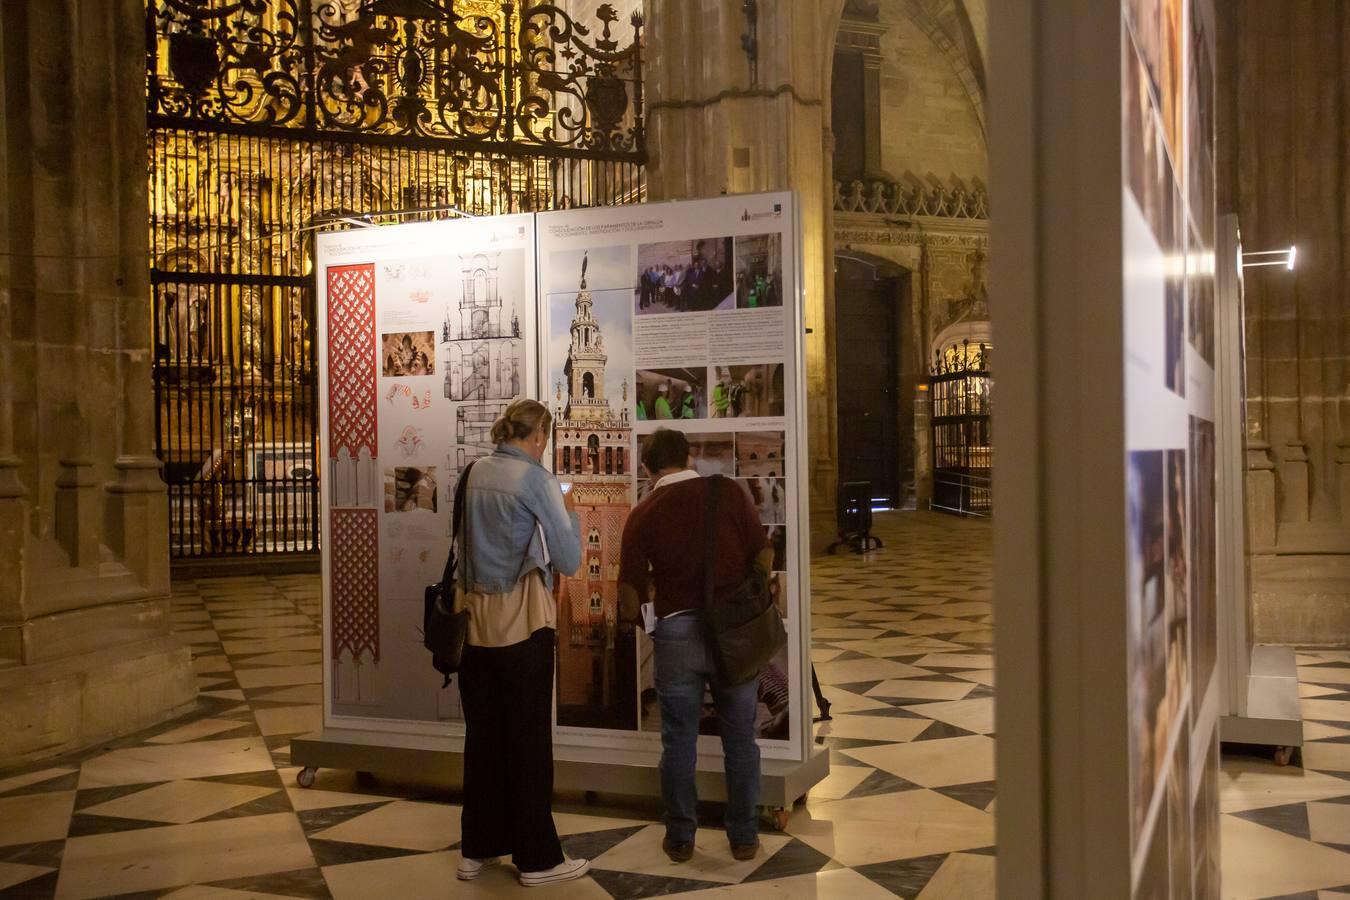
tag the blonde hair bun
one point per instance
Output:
(521, 419)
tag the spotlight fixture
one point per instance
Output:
(1289, 255)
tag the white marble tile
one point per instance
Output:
(278, 676)
(289, 719)
(431, 876)
(922, 690)
(207, 892)
(279, 658)
(1249, 851)
(712, 861)
(1321, 756)
(12, 874)
(1326, 710)
(978, 661)
(410, 826)
(979, 676)
(176, 855)
(180, 802)
(963, 876)
(886, 827)
(1251, 784)
(194, 731)
(32, 818)
(842, 701)
(972, 715)
(1306, 690)
(834, 884)
(201, 759)
(1329, 823)
(840, 782)
(857, 633)
(937, 763)
(15, 782)
(573, 823)
(274, 645)
(853, 670)
(1324, 674)
(1320, 731)
(873, 728)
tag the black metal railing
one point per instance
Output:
(268, 118)
(961, 416)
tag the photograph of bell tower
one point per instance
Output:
(592, 447)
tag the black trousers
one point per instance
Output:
(508, 753)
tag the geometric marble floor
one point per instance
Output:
(207, 807)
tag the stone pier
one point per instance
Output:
(85, 651)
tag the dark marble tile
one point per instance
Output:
(978, 795)
(51, 785)
(890, 712)
(1289, 819)
(631, 886)
(853, 687)
(83, 825)
(835, 743)
(904, 877)
(595, 844)
(312, 821)
(795, 858)
(46, 853)
(880, 782)
(308, 883)
(269, 778)
(939, 730)
(336, 853)
(41, 888)
(279, 802)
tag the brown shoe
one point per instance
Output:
(678, 851)
(745, 851)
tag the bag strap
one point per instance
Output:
(457, 522)
(710, 538)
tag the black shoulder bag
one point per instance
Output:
(444, 630)
(743, 628)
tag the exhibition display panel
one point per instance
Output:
(1170, 410)
(622, 320)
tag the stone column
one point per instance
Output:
(719, 122)
(85, 650)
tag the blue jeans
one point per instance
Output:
(683, 667)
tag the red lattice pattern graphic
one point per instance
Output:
(354, 575)
(351, 360)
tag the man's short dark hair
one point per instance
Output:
(666, 449)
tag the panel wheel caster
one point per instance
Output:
(1284, 756)
(305, 777)
(779, 817)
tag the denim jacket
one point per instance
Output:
(508, 495)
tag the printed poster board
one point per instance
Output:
(1169, 240)
(685, 315)
(426, 333)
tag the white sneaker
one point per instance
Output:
(469, 869)
(567, 870)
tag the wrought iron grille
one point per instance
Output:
(268, 117)
(961, 397)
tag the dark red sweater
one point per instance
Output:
(665, 535)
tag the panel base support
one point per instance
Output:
(585, 769)
(1273, 717)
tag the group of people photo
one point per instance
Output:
(685, 276)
